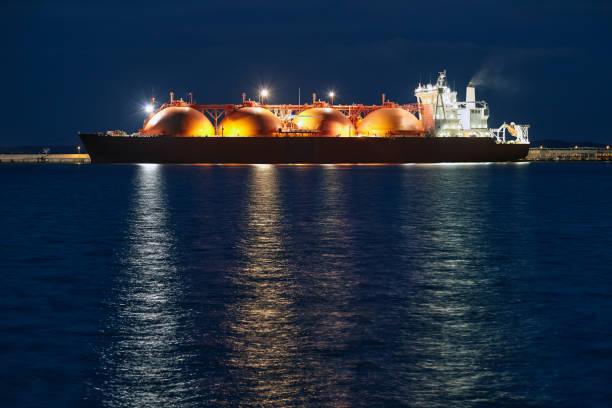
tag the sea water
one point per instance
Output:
(476, 285)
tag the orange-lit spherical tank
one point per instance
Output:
(250, 121)
(179, 121)
(390, 122)
(328, 121)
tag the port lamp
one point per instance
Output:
(149, 108)
(262, 95)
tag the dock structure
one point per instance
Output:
(535, 154)
(45, 158)
(570, 154)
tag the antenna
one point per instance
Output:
(299, 96)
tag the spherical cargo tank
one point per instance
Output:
(250, 121)
(390, 122)
(179, 121)
(328, 121)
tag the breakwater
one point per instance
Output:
(45, 158)
(569, 154)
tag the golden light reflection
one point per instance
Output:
(249, 121)
(390, 121)
(179, 121)
(145, 366)
(328, 121)
(264, 336)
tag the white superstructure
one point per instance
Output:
(444, 116)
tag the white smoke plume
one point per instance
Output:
(501, 70)
(495, 74)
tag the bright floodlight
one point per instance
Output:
(264, 92)
(148, 108)
(331, 94)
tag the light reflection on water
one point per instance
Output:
(332, 290)
(262, 332)
(145, 366)
(458, 354)
(341, 287)
(466, 286)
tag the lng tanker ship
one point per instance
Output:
(437, 128)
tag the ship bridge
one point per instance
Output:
(444, 116)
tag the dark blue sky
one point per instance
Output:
(85, 66)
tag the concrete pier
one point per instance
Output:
(569, 154)
(45, 158)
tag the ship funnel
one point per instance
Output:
(470, 95)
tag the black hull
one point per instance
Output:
(165, 149)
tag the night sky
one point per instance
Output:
(85, 66)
